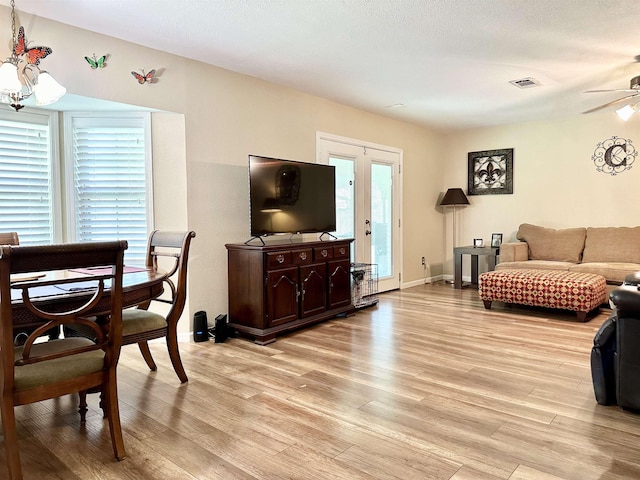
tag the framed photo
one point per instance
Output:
(491, 172)
(478, 242)
(496, 240)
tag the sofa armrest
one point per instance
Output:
(514, 252)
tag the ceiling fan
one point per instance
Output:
(634, 89)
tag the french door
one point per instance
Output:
(367, 202)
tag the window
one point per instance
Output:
(27, 171)
(110, 194)
(105, 193)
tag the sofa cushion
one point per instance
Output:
(563, 245)
(612, 244)
(535, 265)
(614, 272)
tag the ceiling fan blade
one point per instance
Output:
(611, 103)
(626, 90)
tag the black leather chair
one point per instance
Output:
(602, 362)
(615, 357)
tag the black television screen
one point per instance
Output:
(291, 197)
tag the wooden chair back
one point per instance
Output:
(9, 238)
(174, 247)
(42, 370)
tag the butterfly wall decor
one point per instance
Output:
(32, 55)
(96, 62)
(145, 77)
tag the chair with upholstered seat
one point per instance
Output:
(40, 370)
(139, 325)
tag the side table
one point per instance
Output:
(490, 252)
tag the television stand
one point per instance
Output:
(282, 286)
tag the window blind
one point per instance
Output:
(110, 193)
(26, 198)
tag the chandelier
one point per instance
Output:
(20, 75)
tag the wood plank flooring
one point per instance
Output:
(427, 385)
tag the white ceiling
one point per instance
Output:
(448, 62)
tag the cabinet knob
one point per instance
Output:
(280, 258)
(324, 253)
(303, 255)
(342, 251)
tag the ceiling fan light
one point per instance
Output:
(625, 112)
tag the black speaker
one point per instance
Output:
(200, 327)
(221, 332)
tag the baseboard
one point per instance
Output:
(421, 281)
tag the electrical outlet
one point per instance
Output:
(423, 261)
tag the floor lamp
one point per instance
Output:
(453, 198)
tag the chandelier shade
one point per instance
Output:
(20, 75)
(47, 90)
(9, 81)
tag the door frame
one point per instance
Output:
(397, 252)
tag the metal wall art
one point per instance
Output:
(491, 172)
(145, 77)
(614, 155)
(95, 63)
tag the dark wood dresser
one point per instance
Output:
(278, 287)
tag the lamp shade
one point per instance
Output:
(454, 196)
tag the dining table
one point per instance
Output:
(139, 285)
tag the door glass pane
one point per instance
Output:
(381, 218)
(345, 198)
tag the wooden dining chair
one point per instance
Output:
(139, 325)
(9, 238)
(41, 370)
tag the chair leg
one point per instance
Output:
(82, 407)
(174, 354)
(110, 392)
(10, 440)
(146, 354)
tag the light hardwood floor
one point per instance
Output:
(427, 385)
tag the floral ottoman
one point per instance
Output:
(580, 292)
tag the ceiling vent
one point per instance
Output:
(525, 82)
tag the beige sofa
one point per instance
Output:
(613, 252)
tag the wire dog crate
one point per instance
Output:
(364, 287)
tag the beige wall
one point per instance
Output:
(223, 116)
(555, 182)
(226, 117)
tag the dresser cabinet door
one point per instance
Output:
(339, 283)
(282, 295)
(313, 286)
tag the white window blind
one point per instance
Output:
(110, 192)
(26, 194)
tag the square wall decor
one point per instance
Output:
(491, 172)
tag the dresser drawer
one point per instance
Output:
(322, 253)
(341, 252)
(279, 259)
(302, 257)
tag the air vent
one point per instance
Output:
(525, 82)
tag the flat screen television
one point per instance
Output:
(291, 197)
